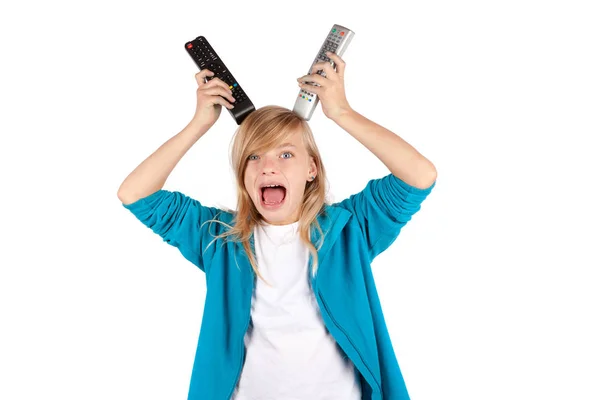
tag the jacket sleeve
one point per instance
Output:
(178, 220)
(382, 208)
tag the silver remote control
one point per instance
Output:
(336, 42)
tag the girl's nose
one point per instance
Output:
(268, 166)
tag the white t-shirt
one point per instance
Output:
(290, 355)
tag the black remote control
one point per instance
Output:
(205, 57)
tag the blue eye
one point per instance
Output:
(255, 157)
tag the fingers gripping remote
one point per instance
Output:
(337, 41)
(205, 57)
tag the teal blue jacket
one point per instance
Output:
(356, 230)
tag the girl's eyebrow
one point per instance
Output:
(287, 145)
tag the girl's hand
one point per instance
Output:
(330, 88)
(210, 96)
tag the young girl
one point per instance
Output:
(311, 326)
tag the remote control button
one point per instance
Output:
(205, 57)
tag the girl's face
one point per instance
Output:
(289, 166)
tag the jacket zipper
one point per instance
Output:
(350, 340)
(242, 341)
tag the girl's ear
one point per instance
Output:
(313, 167)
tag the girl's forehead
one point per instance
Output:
(287, 145)
(293, 141)
(295, 138)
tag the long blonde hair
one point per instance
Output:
(261, 130)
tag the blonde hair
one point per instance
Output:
(262, 130)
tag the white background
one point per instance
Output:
(490, 292)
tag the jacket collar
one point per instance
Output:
(332, 221)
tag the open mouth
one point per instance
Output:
(273, 195)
